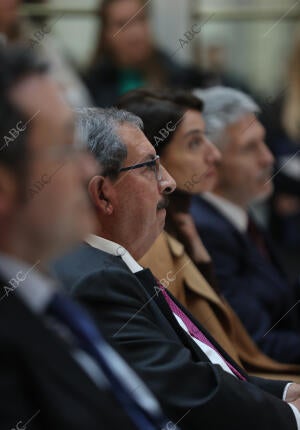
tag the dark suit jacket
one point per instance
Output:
(255, 287)
(191, 390)
(39, 377)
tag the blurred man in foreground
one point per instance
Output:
(56, 370)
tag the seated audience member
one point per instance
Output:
(281, 116)
(186, 153)
(248, 271)
(56, 370)
(126, 57)
(193, 377)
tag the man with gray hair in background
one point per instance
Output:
(247, 268)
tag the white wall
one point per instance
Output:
(252, 54)
(170, 20)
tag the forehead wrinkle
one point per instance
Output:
(142, 159)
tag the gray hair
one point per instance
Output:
(97, 129)
(223, 106)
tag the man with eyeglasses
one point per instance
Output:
(130, 196)
(197, 383)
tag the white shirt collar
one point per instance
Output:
(236, 215)
(114, 249)
(34, 288)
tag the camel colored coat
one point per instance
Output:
(169, 262)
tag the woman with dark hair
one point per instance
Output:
(174, 125)
(126, 58)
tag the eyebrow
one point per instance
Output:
(148, 157)
(196, 131)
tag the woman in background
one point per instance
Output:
(126, 57)
(174, 125)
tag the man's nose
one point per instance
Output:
(167, 183)
(213, 154)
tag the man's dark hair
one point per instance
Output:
(16, 64)
(161, 112)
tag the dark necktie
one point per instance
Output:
(142, 407)
(258, 238)
(194, 331)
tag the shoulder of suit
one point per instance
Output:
(11, 305)
(107, 281)
(211, 222)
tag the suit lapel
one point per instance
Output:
(193, 281)
(211, 339)
(149, 282)
(269, 267)
(196, 282)
(274, 255)
(248, 250)
(191, 275)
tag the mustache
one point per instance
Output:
(164, 203)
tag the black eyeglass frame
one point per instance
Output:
(155, 162)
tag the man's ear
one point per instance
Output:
(101, 192)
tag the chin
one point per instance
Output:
(210, 183)
(267, 190)
(206, 186)
(264, 194)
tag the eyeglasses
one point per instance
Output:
(155, 164)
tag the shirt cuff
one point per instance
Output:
(286, 390)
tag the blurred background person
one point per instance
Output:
(282, 120)
(216, 69)
(37, 35)
(247, 267)
(126, 57)
(192, 159)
